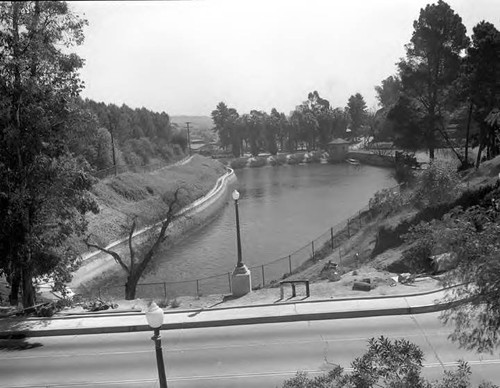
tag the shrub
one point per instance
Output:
(437, 184)
(239, 163)
(281, 159)
(175, 303)
(293, 159)
(257, 162)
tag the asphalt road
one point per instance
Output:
(239, 356)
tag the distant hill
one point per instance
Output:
(201, 126)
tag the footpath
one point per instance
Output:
(298, 310)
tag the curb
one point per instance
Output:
(19, 334)
(110, 313)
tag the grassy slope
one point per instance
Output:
(139, 195)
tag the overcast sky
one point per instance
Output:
(183, 57)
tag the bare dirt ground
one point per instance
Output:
(383, 284)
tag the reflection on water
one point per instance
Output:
(281, 210)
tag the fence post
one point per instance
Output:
(312, 246)
(348, 229)
(263, 278)
(165, 290)
(331, 237)
(197, 287)
(229, 280)
(290, 263)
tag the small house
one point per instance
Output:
(337, 150)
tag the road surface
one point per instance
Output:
(239, 356)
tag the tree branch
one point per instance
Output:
(115, 255)
(130, 246)
(161, 236)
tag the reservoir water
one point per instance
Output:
(281, 210)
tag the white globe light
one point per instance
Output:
(154, 316)
(236, 195)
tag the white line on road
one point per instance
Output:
(234, 376)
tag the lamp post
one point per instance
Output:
(241, 281)
(154, 316)
(236, 196)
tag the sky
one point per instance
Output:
(184, 57)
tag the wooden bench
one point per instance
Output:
(293, 284)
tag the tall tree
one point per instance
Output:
(43, 188)
(431, 65)
(226, 125)
(356, 107)
(482, 73)
(389, 91)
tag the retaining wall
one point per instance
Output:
(372, 159)
(196, 214)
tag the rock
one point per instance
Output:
(361, 286)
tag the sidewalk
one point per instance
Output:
(302, 310)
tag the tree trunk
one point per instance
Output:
(131, 286)
(469, 118)
(28, 289)
(481, 145)
(431, 153)
(14, 289)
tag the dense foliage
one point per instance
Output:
(126, 136)
(311, 125)
(43, 187)
(471, 235)
(387, 363)
(446, 88)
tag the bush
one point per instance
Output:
(437, 184)
(239, 163)
(257, 162)
(393, 237)
(389, 200)
(175, 303)
(281, 159)
(293, 159)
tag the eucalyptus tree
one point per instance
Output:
(389, 91)
(43, 188)
(482, 83)
(226, 125)
(431, 66)
(356, 106)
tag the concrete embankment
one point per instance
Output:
(190, 217)
(367, 157)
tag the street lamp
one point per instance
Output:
(154, 316)
(241, 281)
(236, 196)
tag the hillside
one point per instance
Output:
(360, 251)
(130, 195)
(200, 126)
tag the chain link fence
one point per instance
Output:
(268, 274)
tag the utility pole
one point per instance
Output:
(189, 139)
(111, 130)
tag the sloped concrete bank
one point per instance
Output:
(198, 213)
(366, 157)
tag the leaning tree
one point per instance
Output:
(141, 253)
